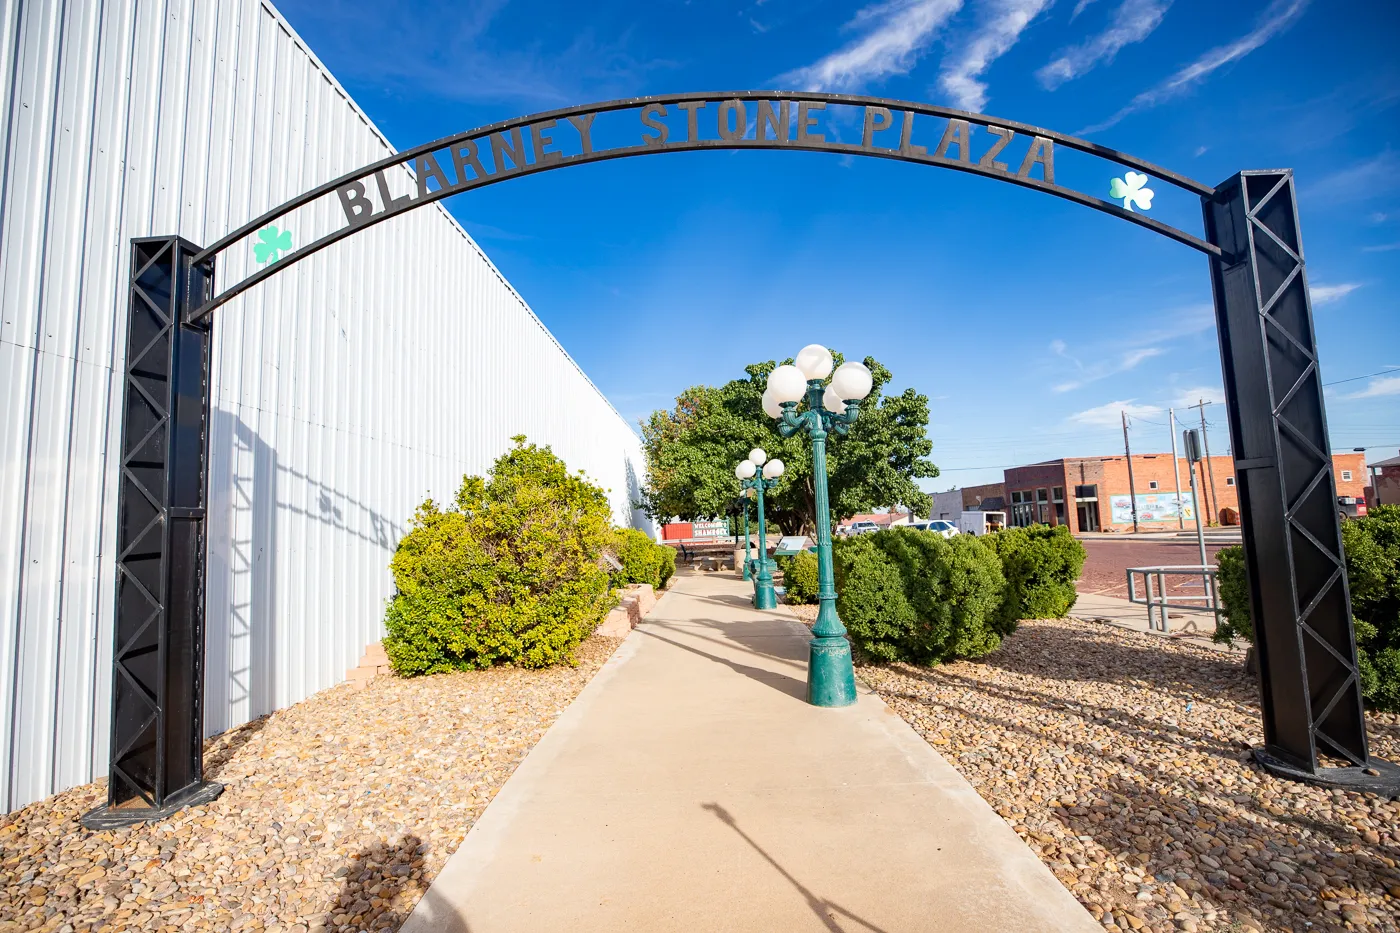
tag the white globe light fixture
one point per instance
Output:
(815, 361)
(833, 402)
(771, 408)
(787, 384)
(773, 469)
(758, 456)
(745, 470)
(852, 381)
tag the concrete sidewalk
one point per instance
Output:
(1185, 624)
(691, 787)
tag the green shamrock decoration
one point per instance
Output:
(273, 244)
(1130, 189)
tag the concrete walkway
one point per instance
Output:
(1184, 624)
(691, 787)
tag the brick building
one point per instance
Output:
(1092, 493)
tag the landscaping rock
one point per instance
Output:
(1125, 762)
(337, 813)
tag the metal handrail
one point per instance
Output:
(1161, 600)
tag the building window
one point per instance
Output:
(1022, 509)
(1346, 476)
(1042, 506)
(1152, 484)
(1086, 492)
(1057, 498)
(1229, 481)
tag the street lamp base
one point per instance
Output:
(764, 597)
(831, 680)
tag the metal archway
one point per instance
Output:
(1311, 693)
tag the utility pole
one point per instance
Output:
(1176, 468)
(1210, 470)
(1132, 488)
(1193, 454)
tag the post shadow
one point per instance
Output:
(825, 910)
(241, 635)
(383, 870)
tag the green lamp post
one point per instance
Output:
(830, 677)
(744, 504)
(750, 477)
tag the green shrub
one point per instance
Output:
(642, 559)
(1372, 549)
(1233, 584)
(870, 598)
(509, 574)
(1041, 565)
(800, 578)
(918, 597)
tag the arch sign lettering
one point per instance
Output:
(1311, 695)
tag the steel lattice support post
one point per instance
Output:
(155, 758)
(1299, 601)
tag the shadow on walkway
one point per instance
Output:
(825, 910)
(780, 682)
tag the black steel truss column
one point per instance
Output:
(1300, 605)
(155, 759)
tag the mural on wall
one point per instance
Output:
(1155, 507)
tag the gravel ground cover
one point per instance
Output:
(338, 813)
(1123, 761)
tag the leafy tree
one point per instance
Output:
(692, 449)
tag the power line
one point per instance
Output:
(1393, 369)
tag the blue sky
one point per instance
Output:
(1028, 321)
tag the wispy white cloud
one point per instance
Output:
(1185, 398)
(1381, 248)
(1381, 172)
(894, 34)
(1000, 27)
(1279, 15)
(1079, 8)
(1325, 294)
(1181, 322)
(1084, 375)
(1110, 413)
(1386, 385)
(1133, 21)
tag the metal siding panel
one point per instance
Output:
(129, 119)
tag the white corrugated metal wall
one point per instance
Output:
(345, 389)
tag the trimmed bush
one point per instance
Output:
(509, 574)
(1041, 565)
(1372, 548)
(870, 598)
(800, 579)
(642, 559)
(909, 595)
(1233, 584)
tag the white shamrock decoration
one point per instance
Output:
(1130, 188)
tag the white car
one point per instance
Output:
(937, 526)
(860, 528)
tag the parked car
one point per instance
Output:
(860, 528)
(937, 526)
